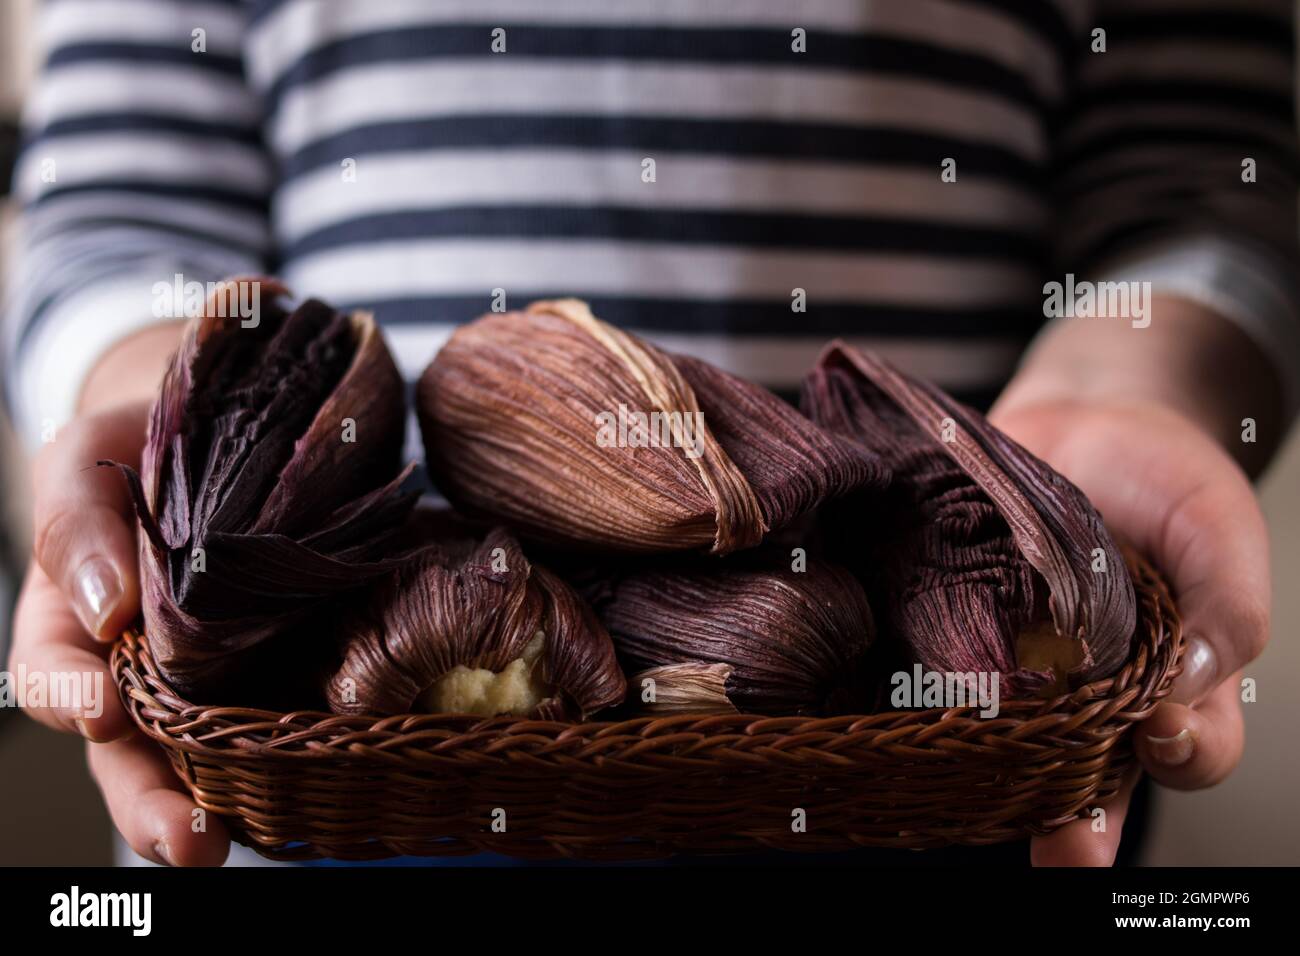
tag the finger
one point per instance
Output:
(1080, 842)
(52, 650)
(84, 527)
(1214, 544)
(1201, 525)
(155, 818)
(1188, 748)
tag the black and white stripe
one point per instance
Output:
(775, 170)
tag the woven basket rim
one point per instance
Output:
(241, 733)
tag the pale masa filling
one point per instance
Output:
(516, 689)
(1040, 648)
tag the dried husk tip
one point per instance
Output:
(691, 688)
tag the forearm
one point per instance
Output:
(1189, 360)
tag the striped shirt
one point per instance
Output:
(911, 172)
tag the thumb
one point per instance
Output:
(1082, 842)
(84, 524)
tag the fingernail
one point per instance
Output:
(1173, 751)
(95, 594)
(84, 729)
(164, 852)
(1200, 672)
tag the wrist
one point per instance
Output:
(1189, 361)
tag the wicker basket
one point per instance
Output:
(306, 785)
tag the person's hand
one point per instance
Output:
(1165, 486)
(81, 591)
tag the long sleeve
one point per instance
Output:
(1177, 162)
(141, 159)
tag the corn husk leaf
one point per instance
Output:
(254, 507)
(510, 408)
(977, 542)
(476, 604)
(793, 642)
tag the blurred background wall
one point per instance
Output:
(50, 811)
